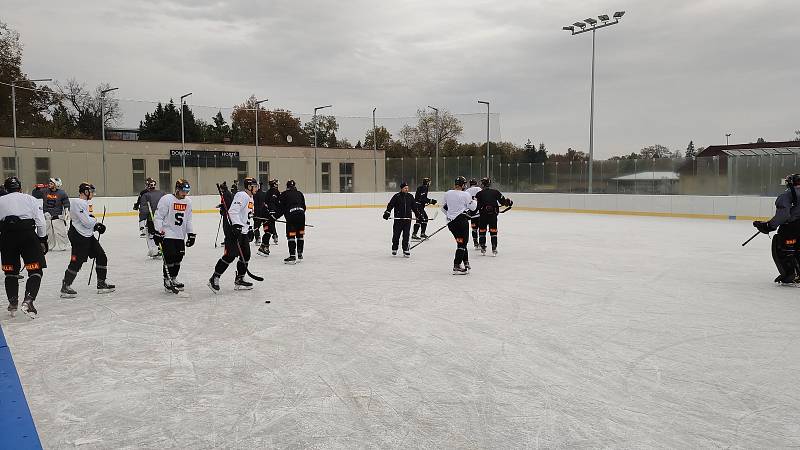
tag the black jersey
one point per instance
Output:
(291, 201)
(260, 203)
(403, 205)
(489, 201)
(421, 196)
(273, 202)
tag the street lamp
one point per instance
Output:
(375, 147)
(258, 102)
(436, 126)
(183, 138)
(727, 135)
(316, 186)
(593, 26)
(487, 135)
(14, 118)
(103, 136)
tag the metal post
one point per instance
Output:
(591, 120)
(375, 147)
(103, 136)
(316, 185)
(487, 135)
(258, 169)
(436, 126)
(183, 138)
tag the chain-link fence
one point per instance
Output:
(742, 175)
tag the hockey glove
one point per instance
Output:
(43, 243)
(190, 240)
(236, 230)
(433, 201)
(386, 215)
(135, 206)
(100, 228)
(158, 238)
(509, 203)
(251, 236)
(763, 227)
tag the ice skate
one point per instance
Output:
(169, 286)
(213, 283)
(423, 236)
(290, 260)
(178, 285)
(105, 288)
(477, 246)
(494, 251)
(12, 307)
(458, 270)
(27, 308)
(275, 239)
(299, 257)
(67, 291)
(415, 237)
(394, 252)
(263, 250)
(240, 284)
(467, 266)
(483, 251)
(406, 254)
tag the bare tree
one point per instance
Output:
(83, 106)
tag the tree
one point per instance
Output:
(219, 130)
(164, 124)
(358, 144)
(570, 155)
(761, 140)
(327, 126)
(32, 103)
(384, 138)
(656, 151)
(80, 107)
(421, 139)
(797, 135)
(690, 150)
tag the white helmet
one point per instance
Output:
(57, 182)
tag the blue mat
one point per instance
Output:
(17, 430)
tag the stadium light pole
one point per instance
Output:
(14, 118)
(727, 135)
(183, 138)
(316, 186)
(258, 102)
(375, 147)
(436, 126)
(593, 26)
(487, 136)
(103, 136)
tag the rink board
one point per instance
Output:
(586, 331)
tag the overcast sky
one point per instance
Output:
(671, 71)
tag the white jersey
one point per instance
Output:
(24, 206)
(82, 219)
(457, 202)
(241, 211)
(173, 217)
(472, 190)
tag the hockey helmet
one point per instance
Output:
(426, 181)
(273, 183)
(182, 185)
(486, 181)
(12, 184)
(86, 187)
(460, 181)
(248, 182)
(792, 180)
(151, 183)
(291, 184)
(57, 182)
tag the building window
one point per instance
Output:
(263, 172)
(138, 174)
(241, 171)
(346, 177)
(326, 177)
(9, 166)
(164, 175)
(42, 169)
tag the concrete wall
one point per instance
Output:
(78, 160)
(703, 207)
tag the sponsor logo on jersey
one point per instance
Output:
(52, 197)
(33, 266)
(91, 209)
(179, 206)
(8, 267)
(250, 205)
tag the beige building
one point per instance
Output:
(129, 163)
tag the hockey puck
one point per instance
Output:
(266, 301)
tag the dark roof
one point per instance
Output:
(754, 149)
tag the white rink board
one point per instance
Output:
(586, 331)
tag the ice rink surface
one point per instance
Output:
(586, 331)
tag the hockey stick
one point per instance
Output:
(91, 270)
(216, 239)
(429, 236)
(278, 220)
(239, 247)
(751, 238)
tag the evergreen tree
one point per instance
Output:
(690, 150)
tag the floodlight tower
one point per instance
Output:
(593, 26)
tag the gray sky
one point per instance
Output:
(672, 71)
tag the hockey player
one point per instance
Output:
(458, 207)
(473, 221)
(403, 204)
(489, 202)
(173, 224)
(293, 206)
(273, 212)
(23, 236)
(785, 248)
(237, 237)
(421, 197)
(143, 214)
(56, 214)
(85, 244)
(147, 206)
(260, 210)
